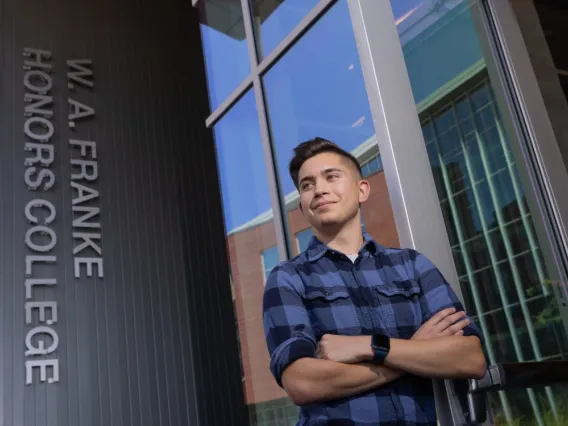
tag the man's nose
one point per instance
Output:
(321, 187)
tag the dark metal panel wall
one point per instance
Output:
(153, 341)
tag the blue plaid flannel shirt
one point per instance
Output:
(389, 291)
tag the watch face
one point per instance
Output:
(381, 341)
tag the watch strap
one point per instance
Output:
(381, 347)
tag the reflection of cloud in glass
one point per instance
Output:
(406, 15)
(359, 122)
(402, 9)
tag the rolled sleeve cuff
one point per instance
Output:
(288, 352)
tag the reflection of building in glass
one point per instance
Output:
(499, 263)
(497, 254)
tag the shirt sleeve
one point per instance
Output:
(287, 328)
(437, 294)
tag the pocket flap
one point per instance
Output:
(329, 294)
(405, 288)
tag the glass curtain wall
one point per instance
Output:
(280, 72)
(506, 269)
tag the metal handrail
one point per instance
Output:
(507, 376)
(521, 375)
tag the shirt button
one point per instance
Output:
(327, 293)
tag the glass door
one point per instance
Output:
(491, 182)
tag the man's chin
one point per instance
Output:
(328, 222)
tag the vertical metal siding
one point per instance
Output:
(154, 341)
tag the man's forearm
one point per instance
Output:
(310, 380)
(451, 357)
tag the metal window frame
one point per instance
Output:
(259, 68)
(539, 131)
(413, 195)
(254, 80)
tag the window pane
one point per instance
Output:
(270, 259)
(274, 19)
(374, 165)
(251, 241)
(497, 250)
(317, 89)
(224, 47)
(304, 237)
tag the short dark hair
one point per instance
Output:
(313, 147)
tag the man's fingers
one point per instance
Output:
(445, 318)
(458, 326)
(458, 333)
(449, 320)
(441, 315)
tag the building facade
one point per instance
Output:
(424, 94)
(105, 318)
(144, 193)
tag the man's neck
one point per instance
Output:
(348, 239)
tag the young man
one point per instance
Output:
(355, 330)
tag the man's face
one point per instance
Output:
(330, 190)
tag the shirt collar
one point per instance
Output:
(316, 249)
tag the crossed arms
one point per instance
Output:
(343, 367)
(446, 346)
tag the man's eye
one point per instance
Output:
(333, 176)
(305, 186)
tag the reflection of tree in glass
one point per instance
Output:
(550, 312)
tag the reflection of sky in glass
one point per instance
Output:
(317, 89)
(226, 57)
(440, 41)
(402, 8)
(280, 22)
(304, 237)
(242, 170)
(270, 258)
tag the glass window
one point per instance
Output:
(250, 232)
(317, 89)
(304, 237)
(499, 257)
(374, 165)
(275, 19)
(270, 258)
(225, 47)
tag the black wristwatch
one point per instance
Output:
(381, 347)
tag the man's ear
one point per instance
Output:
(364, 190)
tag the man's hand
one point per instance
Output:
(447, 322)
(345, 349)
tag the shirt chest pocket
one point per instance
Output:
(331, 311)
(398, 307)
